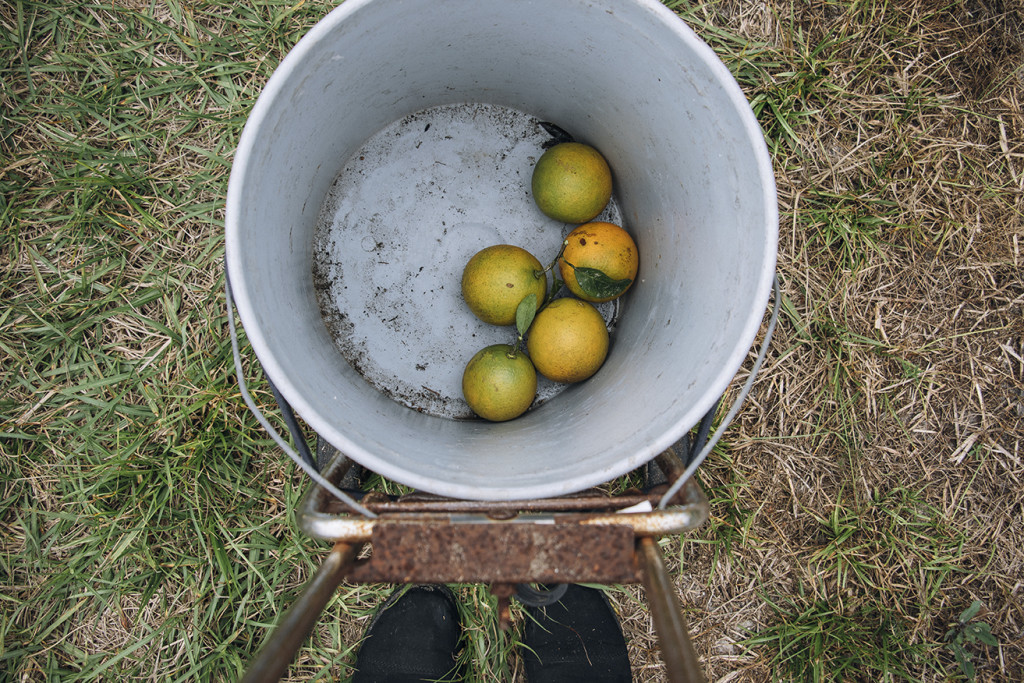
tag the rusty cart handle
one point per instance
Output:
(271, 663)
(681, 661)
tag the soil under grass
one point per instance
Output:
(871, 489)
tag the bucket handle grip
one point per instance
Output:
(306, 465)
(735, 408)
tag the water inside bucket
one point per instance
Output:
(402, 218)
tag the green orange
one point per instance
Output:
(497, 278)
(499, 383)
(568, 340)
(572, 182)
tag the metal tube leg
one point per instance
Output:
(271, 662)
(681, 661)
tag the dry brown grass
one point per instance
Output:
(890, 407)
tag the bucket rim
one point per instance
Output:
(720, 381)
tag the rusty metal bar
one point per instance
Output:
(426, 503)
(589, 500)
(581, 538)
(278, 651)
(657, 523)
(437, 552)
(681, 661)
(670, 463)
(318, 516)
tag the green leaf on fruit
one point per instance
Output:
(525, 313)
(597, 285)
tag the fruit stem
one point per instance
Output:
(561, 251)
(556, 287)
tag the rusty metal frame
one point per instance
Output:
(322, 516)
(588, 537)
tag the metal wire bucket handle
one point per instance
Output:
(306, 463)
(736, 404)
(304, 460)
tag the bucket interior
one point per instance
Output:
(693, 184)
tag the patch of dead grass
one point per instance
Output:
(897, 370)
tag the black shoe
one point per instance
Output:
(414, 637)
(576, 640)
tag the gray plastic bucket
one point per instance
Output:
(694, 186)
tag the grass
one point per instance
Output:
(866, 496)
(818, 641)
(847, 529)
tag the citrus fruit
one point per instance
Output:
(497, 278)
(568, 340)
(572, 182)
(598, 260)
(499, 384)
